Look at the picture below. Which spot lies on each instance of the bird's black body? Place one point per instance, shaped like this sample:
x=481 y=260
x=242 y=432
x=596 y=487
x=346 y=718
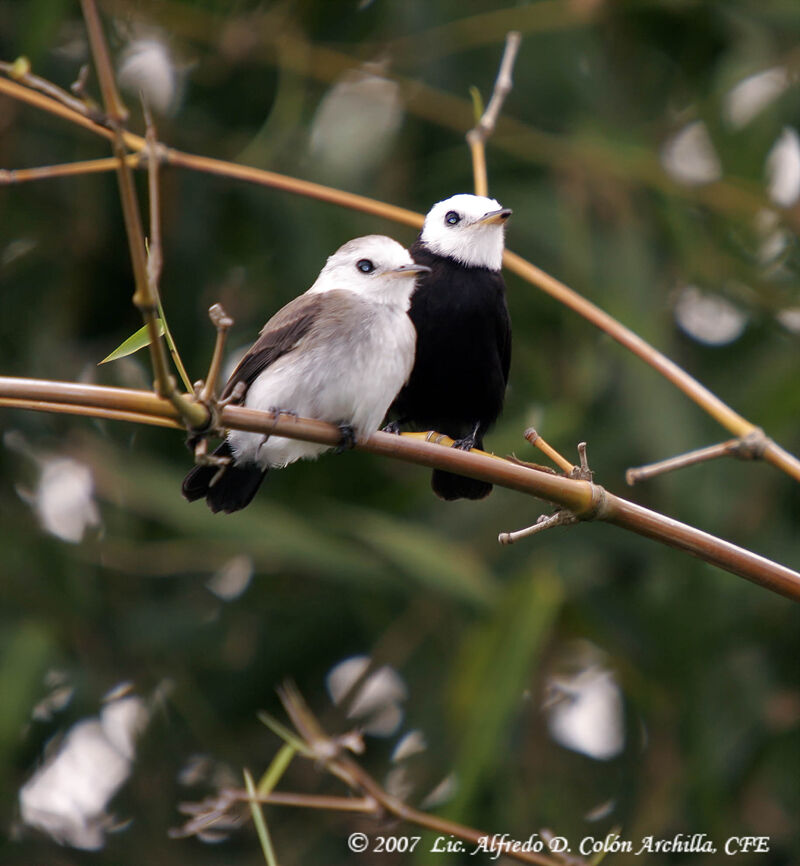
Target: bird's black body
x=458 y=382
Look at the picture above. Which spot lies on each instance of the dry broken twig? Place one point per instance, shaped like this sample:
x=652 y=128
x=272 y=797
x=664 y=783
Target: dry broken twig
x=224 y=811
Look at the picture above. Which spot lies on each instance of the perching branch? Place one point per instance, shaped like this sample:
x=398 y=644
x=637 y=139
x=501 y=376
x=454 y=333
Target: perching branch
x=587 y=501
x=709 y=402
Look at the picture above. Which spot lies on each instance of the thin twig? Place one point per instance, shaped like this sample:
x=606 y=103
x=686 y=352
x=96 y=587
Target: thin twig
x=365 y=805
x=194 y=414
x=538 y=442
x=69 y=169
x=545 y=521
x=750 y=447
x=222 y=323
x=477 y=136
x=586 y=500
x=19 y=70
x=344 y=767
x=155 y=256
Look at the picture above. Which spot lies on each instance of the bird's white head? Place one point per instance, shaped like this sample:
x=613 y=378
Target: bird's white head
x=467 y=228
x=374 y=266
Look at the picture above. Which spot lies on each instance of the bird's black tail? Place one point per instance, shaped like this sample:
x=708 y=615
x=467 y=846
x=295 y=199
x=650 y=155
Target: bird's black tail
x=232 y=491
x=448 y=486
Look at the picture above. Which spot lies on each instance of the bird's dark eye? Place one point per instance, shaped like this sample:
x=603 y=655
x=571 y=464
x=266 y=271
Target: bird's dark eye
x=452 y=218
x=365 y=266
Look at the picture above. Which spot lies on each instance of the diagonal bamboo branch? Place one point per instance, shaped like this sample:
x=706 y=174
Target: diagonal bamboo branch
x=586 y=500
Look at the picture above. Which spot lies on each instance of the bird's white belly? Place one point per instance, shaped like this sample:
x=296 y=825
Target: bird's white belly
x=350 y=382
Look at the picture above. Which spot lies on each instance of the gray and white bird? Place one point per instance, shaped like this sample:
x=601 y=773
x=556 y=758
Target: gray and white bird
x=463 y=355
x=340 y=353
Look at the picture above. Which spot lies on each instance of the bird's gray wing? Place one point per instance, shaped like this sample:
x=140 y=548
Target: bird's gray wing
x=282 y=333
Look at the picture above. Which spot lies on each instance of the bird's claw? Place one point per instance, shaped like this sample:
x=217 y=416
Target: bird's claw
x=467 y=443
x=392 y=427
x=348 y=439
x=276 y=411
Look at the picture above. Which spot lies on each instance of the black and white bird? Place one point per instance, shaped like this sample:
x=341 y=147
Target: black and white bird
x=459 y=378
x=338 y=353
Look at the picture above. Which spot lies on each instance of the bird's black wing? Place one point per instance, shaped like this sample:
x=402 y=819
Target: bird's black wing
x=279 y=336
x=504 y=336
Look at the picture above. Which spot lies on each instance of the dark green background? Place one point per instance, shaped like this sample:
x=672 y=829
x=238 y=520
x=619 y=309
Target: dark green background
x=354 y=554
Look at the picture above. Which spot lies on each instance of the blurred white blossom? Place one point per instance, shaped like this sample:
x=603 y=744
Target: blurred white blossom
x=790 y=319
x=68 y=795
x=410 y=744
x=689 y=156
x=773 y=237
x=443 y=792
x=752 y=95
x=378 y=701
x=232 y=579
x=356 y=122
x=783 y=168
x=64 y=499
x=708 y=317
x=17 y=249
x=585 y=713
x=147 y=67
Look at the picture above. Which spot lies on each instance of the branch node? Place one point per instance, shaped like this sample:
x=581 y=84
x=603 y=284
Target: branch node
x=78 y=87
x=752 y=446
x=582 y=472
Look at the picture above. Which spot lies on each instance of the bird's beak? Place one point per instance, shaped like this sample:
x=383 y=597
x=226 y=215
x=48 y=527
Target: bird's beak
x=494 y=217
x=410 y=270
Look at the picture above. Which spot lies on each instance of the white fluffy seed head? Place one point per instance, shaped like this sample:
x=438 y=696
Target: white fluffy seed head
x=146 y=67
x=373 y=266
x=456 y=228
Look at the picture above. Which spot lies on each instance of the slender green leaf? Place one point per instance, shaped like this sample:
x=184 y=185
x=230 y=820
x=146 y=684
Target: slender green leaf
x=260 y=822
x=289 y=738
x=278 y=766
x=492 y=671
x=477 y=102
x=135 y=342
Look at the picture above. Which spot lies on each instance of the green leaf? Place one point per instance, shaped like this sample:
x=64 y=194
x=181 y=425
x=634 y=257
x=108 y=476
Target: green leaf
x=260 y=822
x=135 y=342
x=492 y=671
x=272 y=775
x=477 y=103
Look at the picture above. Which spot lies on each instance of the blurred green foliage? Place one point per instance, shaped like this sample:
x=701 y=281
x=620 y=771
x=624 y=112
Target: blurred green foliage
x=353 y=554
